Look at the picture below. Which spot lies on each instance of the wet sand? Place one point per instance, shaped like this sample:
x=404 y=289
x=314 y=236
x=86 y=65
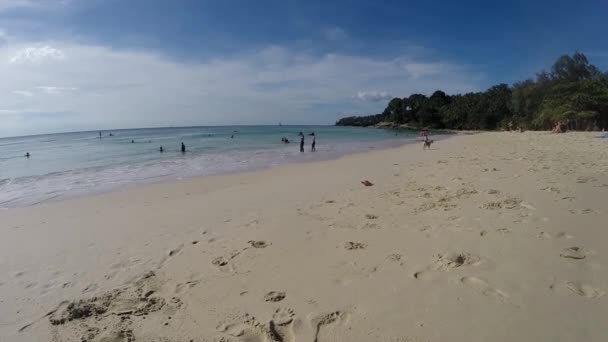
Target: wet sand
x=486 y=237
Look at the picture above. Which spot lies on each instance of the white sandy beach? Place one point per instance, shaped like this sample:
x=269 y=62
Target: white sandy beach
x=486 y=237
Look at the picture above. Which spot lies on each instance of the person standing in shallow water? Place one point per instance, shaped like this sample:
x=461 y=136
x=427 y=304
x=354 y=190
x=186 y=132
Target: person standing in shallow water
x=301 y=142
x=314 y=142
x=183 y=148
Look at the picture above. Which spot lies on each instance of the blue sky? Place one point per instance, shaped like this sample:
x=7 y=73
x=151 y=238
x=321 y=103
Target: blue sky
x=101 y=64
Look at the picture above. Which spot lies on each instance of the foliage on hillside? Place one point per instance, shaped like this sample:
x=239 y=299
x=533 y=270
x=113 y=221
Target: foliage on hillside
x=573 y=91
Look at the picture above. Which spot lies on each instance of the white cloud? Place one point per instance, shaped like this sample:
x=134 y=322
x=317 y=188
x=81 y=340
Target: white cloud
x=31 y=4
x=55 y=89
x=95 y=87
x=335 y=33
x=23 y=92
x=8 y=4
x=373 y=96
x=37 y=55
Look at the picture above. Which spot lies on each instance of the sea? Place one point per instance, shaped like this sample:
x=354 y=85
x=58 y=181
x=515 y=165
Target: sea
x=68 y=165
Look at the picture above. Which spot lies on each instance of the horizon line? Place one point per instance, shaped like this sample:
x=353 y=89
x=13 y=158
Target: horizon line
x=160 y=127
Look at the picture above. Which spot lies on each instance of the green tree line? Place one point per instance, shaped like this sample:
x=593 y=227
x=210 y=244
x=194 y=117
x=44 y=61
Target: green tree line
x=574 y=92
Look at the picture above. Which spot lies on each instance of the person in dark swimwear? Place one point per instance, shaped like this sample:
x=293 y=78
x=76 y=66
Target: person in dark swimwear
x=27 y=154
x=301 y=142
x=132 y=141
x=314 y=142
x=161 y=149
x=183 y=148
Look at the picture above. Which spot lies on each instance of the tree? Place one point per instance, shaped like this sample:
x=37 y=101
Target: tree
x=583 y=104
x=574 y=91
x=575 y=68
x=394 y=110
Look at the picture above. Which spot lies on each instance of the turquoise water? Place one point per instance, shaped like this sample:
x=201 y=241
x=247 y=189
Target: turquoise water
x=72 y=164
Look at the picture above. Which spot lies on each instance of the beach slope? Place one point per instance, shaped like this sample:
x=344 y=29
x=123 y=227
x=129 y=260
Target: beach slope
x=485 y=237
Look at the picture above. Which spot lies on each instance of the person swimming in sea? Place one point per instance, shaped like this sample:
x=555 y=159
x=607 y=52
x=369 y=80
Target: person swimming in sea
x=27 y=154
x=183 y=147
x=161 y=149
x=132 y=141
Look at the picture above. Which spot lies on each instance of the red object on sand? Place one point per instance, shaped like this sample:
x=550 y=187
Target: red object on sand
x=367 y=183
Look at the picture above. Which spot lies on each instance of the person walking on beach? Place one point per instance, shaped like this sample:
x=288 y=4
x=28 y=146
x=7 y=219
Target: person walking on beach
x=314 y=142
x=301 y=141
x=183 y=147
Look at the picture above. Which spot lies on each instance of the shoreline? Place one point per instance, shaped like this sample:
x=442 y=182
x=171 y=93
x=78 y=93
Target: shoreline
x=319 y=157
x=473 y=239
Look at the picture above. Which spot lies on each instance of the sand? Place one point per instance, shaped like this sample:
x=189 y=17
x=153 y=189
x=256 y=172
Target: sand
x=486 y=237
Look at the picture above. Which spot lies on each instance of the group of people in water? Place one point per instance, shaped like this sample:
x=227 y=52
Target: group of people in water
x=183 y=148
x=284 y=140
x=313 y=146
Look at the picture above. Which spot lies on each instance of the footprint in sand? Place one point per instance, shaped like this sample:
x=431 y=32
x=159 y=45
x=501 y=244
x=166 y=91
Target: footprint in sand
x=327 y=327
x=564 y=235
x=248 y=331
x=274 y=296
x=446 y=262
x=219 y=261
x=279 y=329
x=182 y=287
x=584 y=179
x=584 y=290
x=395 y=257
x=484 y=288
x=582 y=211
x=578 y=288
x=258 y=244
x=120 y=335
x=370 y=226
x=371 y=216
x=508 y=203
x=350 y=245
x=222 y=263
x=453 y=260
x=282 y=325
x=169 y=255
x=573 y=253
x=174 y=251
x=110 y=313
